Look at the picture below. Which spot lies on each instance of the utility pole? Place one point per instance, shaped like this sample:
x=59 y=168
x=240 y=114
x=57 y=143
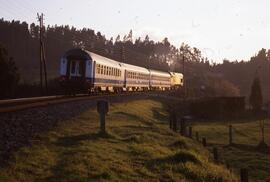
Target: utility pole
x=184 y=75
x=42 y=54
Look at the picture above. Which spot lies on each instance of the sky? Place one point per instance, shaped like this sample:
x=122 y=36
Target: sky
x=231 y=29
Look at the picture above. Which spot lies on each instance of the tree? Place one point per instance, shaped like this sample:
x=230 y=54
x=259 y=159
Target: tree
x=256 y=99
x=9 y=77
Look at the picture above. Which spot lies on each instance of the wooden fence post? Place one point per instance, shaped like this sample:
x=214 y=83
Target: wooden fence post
x=183 y=126
x=228 y=166
x=244 y=175
x=197 y=136
x=173 y=121
x=215 y=153
x=204 y=141
x=230 y=135
x=190 y=132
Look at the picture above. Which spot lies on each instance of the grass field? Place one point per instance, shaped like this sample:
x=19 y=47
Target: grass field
x=243 y=153
x=137 y=147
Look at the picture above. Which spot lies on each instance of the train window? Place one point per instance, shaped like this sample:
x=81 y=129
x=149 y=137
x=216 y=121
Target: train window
x=73 y=67
x=80 y=67
x=98 y=69
x=101 y=69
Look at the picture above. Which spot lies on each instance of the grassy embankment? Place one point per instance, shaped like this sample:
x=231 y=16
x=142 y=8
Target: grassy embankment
x=138 y=147
x=243 y=153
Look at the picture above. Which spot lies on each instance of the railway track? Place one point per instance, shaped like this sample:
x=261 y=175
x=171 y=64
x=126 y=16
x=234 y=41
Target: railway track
x=13 y=105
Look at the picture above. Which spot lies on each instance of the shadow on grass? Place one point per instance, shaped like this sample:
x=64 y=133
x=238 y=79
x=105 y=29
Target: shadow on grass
x=158 y=115
x=134 y=118
x=249 y=148
x=75 y=140
x=179 y=144
x=179 y=157
x=128 y=115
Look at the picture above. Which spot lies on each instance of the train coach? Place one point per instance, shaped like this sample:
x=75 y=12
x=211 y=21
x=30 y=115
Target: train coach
x=81 y=70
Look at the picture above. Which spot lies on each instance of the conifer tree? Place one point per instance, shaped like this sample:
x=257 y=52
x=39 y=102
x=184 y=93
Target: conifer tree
x=8 y=74
x=256 y=99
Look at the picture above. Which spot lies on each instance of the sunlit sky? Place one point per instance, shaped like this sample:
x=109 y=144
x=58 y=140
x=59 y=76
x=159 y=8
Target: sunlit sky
x=232 y=29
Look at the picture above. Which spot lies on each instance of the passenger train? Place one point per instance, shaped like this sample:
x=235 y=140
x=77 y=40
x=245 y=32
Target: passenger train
x=84 y=70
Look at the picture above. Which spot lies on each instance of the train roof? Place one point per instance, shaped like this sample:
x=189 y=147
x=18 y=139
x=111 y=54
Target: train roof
x=103 y=60
x=87 y=55
x=159 y=73
x=130 y=67
x=176 y=74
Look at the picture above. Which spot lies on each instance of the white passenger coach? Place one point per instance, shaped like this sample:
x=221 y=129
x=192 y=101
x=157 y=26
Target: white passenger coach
x=84 y=70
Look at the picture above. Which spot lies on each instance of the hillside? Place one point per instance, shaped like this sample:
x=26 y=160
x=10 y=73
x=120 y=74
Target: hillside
x=244 y=152
x=138 y=147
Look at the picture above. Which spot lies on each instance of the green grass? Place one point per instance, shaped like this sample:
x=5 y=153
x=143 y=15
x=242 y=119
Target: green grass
x=243 y=153
x=138 y=146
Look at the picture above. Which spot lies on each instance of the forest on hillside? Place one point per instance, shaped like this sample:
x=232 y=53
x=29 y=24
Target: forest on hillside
x=202 y=78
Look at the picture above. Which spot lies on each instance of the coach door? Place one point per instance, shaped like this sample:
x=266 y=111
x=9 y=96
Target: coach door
x=76 y=68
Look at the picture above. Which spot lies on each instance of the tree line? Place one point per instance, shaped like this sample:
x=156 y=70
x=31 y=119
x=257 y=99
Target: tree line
x=202 y=79
x=241 y=73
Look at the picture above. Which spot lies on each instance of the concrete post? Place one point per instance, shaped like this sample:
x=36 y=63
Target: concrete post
x=102 y=108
